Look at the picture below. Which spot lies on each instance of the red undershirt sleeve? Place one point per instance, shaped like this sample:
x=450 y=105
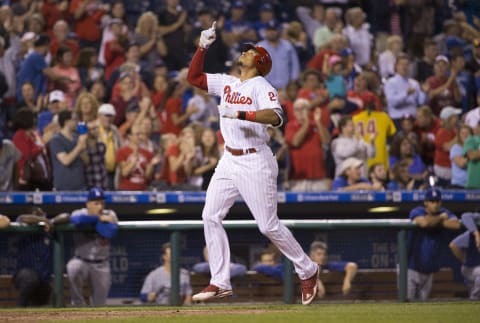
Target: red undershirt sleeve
x=195 y=75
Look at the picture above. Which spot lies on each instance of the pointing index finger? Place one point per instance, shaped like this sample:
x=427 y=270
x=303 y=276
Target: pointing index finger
x=213 y=25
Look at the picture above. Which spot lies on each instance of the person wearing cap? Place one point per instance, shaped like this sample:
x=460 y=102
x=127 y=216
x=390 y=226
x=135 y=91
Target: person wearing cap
x=466 y=248
x=472 y=117
x=47 y=126
x=425 y=244
x=445 y=138
x=238 y=30
x=266 y=14
x=285 y=66
x=403 y=94
x=34 y=259
x=471 y=148
x=92 y=250
x=110 y=136
x=442 y=86
x=350 y=178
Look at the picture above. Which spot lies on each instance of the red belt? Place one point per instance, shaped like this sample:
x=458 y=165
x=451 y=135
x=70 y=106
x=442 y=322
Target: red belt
x=240 y=152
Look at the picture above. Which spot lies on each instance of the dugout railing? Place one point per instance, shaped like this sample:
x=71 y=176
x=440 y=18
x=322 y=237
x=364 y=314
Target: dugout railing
x=400 y=226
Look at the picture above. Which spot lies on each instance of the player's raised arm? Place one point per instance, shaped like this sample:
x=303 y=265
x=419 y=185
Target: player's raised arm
x=196 y=76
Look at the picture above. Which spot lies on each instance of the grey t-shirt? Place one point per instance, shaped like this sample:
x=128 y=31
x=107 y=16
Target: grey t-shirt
x=9 y=155
x=90 y=245
x=159 y=281
x=71 y=177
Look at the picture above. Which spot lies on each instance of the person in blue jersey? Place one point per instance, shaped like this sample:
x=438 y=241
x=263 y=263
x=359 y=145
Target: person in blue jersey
x=466 y=248
x=33 y=273
x=92 y=250
x=318 y=253
x=425 y=243
x=204 y=267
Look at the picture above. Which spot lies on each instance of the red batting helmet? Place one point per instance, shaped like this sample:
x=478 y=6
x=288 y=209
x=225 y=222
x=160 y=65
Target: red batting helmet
x=263 y=61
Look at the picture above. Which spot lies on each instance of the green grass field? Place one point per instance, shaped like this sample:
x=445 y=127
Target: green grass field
x=435 y=312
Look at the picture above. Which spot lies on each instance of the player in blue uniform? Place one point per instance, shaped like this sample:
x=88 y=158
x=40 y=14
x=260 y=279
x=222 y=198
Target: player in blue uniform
x=466 y=247
x=425 y=243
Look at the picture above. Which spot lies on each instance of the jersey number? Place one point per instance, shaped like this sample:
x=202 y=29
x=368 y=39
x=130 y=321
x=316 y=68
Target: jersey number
x=272 y=96
x=371 y=127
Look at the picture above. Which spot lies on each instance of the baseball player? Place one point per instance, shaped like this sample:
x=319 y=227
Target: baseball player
x=248 y=168
x=466 y=247
x=92 y=250
x=425 y=243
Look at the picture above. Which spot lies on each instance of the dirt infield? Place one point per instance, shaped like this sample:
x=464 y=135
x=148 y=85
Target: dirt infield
x=52 y=315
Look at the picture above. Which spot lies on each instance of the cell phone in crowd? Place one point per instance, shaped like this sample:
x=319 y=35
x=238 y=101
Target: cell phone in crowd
x=82 y=128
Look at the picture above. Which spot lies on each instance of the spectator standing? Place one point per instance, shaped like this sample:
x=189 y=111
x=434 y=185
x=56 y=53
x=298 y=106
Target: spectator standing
x=445 y=138
x=88 y=16
x=426 y=128
x=69 y=79
x=458 y=159
x=471 y=148
x=136 y=163
x=350 y=144
x=358 y=34
x=60 y=38
x=127 y=96
x=311 y=18
x=388 y=58
x=88 y=68
x=377 y=125
x=172 y=22
x=285 y=66
x=318 y=253
x=86 y=107
x=466 y=247
x=403 y=94
x=266 y=14
x=33 y=166
x=92 y=250
x=442 y=85
x=47 y=126
x=67 y=154
x=157 y=285
x=152 y=46
x=54 y=11
x=115 y=48
x=95 y=170
x=425 y=244
x=306 y=137
x=9 y=157
x=109 y=135
x=117 y=11
x=424 y=68
x=324 y=34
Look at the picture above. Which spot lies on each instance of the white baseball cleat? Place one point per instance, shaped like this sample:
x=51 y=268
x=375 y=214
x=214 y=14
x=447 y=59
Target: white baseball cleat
x=211 y=292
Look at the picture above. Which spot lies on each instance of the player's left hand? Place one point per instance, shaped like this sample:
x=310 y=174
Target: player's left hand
x=207 y=37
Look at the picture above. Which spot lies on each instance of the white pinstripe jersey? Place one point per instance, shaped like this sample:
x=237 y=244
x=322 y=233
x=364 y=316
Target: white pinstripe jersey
x=250 y=95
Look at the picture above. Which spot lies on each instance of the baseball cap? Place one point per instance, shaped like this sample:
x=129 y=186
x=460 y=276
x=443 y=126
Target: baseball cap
x=442 y=58
x=272 y=24
x=454 y=41
x=447 y=112
x=41 y=40
x=350 y=162
x=238 y=5
x=29 y=35
x=107 y=109
x=95 y=194
x=56 y=95
x=266 y=7
x=433 y=194
x=346 y=52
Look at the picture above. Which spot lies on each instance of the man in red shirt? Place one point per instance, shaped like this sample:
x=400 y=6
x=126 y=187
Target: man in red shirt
x=60 y=33
x=444 y=140
x=136 y=164
x=305 y=138
x=88 y=15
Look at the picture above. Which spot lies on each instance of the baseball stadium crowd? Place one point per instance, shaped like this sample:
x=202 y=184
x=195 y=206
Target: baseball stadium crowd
x=378 y=94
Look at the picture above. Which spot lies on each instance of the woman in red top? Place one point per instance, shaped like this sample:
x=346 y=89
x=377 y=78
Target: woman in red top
x=88 y=16
x=136 y=164
x=30 y=145
x=70 y=83
x=444 y=140
x=172 y=120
